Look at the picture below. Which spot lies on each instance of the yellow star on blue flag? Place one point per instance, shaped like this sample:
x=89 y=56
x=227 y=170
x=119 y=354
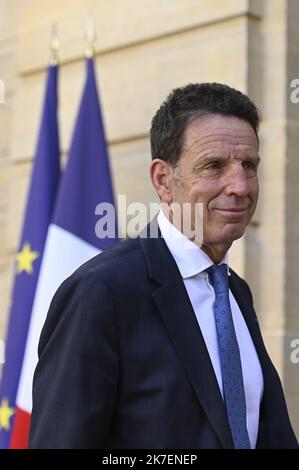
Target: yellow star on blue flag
x=6 y=412
x=25 y=259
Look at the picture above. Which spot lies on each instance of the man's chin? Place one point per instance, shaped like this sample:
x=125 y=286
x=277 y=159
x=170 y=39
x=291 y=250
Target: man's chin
x=233 y=232
x=227 y=235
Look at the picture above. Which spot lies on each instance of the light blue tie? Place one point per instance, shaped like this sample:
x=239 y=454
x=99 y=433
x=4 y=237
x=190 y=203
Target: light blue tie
x=232 y=378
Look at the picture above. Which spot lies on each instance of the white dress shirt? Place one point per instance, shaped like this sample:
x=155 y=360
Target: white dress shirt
x=192 y=263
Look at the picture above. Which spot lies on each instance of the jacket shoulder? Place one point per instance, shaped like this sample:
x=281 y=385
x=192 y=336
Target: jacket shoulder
x=115 y=265
x=118 y=255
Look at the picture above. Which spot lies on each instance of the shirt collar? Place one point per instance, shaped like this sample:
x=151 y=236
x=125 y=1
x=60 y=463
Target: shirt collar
x=190 y=259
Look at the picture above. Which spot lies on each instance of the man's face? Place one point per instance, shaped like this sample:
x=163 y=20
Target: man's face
x=218 y=168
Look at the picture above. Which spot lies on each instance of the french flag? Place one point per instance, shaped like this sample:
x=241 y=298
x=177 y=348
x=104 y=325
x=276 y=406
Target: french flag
x=71 y=239
x=38 y=214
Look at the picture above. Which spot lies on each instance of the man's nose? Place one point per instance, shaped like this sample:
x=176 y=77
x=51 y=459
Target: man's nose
x=237 y=181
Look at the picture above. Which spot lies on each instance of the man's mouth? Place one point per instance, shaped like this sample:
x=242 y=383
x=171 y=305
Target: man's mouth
x=232 y=211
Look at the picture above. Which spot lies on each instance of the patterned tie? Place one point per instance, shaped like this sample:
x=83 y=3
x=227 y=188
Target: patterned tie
x=232 y=378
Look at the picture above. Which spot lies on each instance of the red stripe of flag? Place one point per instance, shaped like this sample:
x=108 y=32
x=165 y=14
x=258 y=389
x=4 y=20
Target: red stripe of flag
x=20 y=432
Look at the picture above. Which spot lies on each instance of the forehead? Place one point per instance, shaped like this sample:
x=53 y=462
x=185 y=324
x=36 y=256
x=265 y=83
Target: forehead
x=221 y=132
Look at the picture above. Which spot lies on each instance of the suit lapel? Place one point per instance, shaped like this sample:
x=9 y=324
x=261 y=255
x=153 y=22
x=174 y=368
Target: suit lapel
x=245 y=304
x=180 y=321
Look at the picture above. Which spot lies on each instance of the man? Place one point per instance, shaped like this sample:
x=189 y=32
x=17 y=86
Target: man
x=155 y=343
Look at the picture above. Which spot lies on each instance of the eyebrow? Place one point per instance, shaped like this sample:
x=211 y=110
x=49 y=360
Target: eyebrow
x=206 y=159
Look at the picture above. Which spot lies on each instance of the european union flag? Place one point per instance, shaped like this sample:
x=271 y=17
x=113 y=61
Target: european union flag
x=40 y=203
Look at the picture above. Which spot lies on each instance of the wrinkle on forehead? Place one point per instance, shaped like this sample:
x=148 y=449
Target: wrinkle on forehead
x=207 y=131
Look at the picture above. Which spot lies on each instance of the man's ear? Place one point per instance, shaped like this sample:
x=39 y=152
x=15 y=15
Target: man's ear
x=161 y=176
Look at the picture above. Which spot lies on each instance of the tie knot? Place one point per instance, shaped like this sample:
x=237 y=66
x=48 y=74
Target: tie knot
x=218 y=277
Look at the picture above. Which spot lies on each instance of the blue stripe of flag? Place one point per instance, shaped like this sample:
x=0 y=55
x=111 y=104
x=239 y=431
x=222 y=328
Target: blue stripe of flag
x=87 y=179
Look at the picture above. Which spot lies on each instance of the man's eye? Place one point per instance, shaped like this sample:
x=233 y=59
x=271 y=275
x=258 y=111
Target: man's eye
x=250 y=165
x=213 y=166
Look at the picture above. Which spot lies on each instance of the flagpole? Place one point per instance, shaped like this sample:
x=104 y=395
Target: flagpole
x=54 y=45
x=90 y=38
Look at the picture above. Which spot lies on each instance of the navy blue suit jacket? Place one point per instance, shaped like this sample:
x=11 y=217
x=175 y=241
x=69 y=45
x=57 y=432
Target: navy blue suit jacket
x=123 y=363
